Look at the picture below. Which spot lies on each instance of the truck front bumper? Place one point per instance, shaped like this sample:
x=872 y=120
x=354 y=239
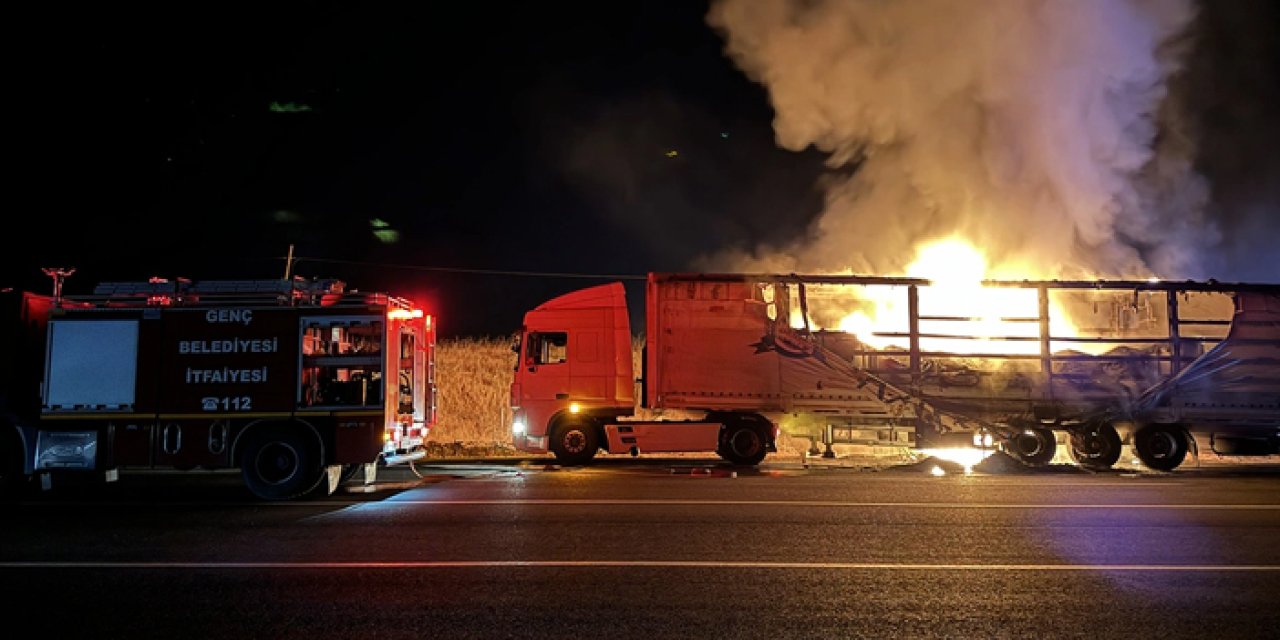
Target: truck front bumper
x=530 y=444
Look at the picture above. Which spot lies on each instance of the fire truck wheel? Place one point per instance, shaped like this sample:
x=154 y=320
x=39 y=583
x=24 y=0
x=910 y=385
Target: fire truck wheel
x=1096 y=446
x=1161 y=447
x=741 y=442
x=1032 y=445
x=280 y=463
x=575 y=442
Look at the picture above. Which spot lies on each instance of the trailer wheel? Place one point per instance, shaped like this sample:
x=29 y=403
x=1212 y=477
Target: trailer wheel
x=1034 y=446
x=741 y=442
x=1161 y=447
x=1096 y=446
x=279 y=463
x=574 y=442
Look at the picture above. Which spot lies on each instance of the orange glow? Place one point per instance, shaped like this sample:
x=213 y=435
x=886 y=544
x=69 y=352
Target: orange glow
x=982 y=318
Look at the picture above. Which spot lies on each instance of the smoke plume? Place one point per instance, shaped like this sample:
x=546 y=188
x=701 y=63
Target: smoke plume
x=1041 y=131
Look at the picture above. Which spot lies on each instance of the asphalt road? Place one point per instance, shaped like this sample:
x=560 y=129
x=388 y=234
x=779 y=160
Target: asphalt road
x=655 y=549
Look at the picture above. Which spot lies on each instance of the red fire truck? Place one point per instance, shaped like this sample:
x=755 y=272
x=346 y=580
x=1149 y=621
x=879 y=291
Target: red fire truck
x=301 y=384
x=1161 y=366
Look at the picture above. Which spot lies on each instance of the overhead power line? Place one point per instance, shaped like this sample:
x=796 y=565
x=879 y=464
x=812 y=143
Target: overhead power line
x=488 y=272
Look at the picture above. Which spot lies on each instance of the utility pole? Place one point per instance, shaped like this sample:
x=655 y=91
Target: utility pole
x=288 y=264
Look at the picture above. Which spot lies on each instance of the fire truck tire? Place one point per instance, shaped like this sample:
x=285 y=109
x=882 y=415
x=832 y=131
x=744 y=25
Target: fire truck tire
x=1161 y=447
x=1096 y=446
x=575 y=441
x=742 y=442
x=1034 y=446
x=280 y=463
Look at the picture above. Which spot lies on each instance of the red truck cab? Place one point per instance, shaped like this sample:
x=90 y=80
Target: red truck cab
x=574 y=364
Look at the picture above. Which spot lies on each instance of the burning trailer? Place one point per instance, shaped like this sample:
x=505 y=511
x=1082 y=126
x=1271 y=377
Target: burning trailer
x=1158 y=365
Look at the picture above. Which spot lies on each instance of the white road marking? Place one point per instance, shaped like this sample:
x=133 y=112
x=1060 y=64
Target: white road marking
x=395 y=501
x=826 y=503
x=669 y=564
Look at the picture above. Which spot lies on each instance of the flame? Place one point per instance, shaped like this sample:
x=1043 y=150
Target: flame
x=979 y=320
x=966 y=457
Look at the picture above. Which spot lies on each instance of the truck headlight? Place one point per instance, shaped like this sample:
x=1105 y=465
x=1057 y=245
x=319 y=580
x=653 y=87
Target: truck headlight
x=518 y=427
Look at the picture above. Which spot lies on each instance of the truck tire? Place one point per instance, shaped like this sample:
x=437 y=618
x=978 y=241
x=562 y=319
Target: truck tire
x=1161 y=447
x=741 y=442
x=281 y=463
x=1034 y=446
x=575 y=442
x=1096 y=446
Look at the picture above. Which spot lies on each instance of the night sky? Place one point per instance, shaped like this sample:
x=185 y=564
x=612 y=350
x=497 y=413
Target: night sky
x=392 y=144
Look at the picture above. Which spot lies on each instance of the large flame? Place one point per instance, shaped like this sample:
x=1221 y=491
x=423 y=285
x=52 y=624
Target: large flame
x=961 y=316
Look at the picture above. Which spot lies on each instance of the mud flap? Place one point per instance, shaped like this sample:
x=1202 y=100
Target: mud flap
x=332 y=477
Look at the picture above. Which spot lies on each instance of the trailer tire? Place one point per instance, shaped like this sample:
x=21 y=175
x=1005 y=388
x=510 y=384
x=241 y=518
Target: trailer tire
x=1096 y=446
x=1161 y=447
x=574 y=442
x=741 y=442
x=1033 y=446
x=281 y=463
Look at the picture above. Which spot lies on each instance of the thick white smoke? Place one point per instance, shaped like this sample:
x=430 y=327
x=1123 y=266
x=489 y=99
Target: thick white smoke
x=1035 y=129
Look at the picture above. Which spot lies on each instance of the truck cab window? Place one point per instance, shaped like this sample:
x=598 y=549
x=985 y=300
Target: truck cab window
x=549 y=348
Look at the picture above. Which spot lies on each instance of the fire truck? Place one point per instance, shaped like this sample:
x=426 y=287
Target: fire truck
x=730 y=359
x=300 y=383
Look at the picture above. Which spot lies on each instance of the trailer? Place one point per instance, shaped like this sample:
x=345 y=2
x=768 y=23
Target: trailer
x=731 y=360
x=299 y=383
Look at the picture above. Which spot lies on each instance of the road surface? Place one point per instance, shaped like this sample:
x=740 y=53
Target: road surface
x=655 y=549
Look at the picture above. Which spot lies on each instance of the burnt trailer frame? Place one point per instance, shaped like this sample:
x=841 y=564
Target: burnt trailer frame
x=1161 y=418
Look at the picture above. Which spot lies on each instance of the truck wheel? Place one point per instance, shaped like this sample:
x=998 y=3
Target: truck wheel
x=1096 y=446
x=1033 y=445
x=575 y=442
x=741 y=443
x=1161 y=447
x=279 y=463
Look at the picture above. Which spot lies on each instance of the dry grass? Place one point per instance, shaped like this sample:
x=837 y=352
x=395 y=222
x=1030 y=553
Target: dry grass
x=474 y=383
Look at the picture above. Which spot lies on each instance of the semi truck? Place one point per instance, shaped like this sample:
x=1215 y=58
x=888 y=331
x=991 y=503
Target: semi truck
x=730 y=361
x=299 y=383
